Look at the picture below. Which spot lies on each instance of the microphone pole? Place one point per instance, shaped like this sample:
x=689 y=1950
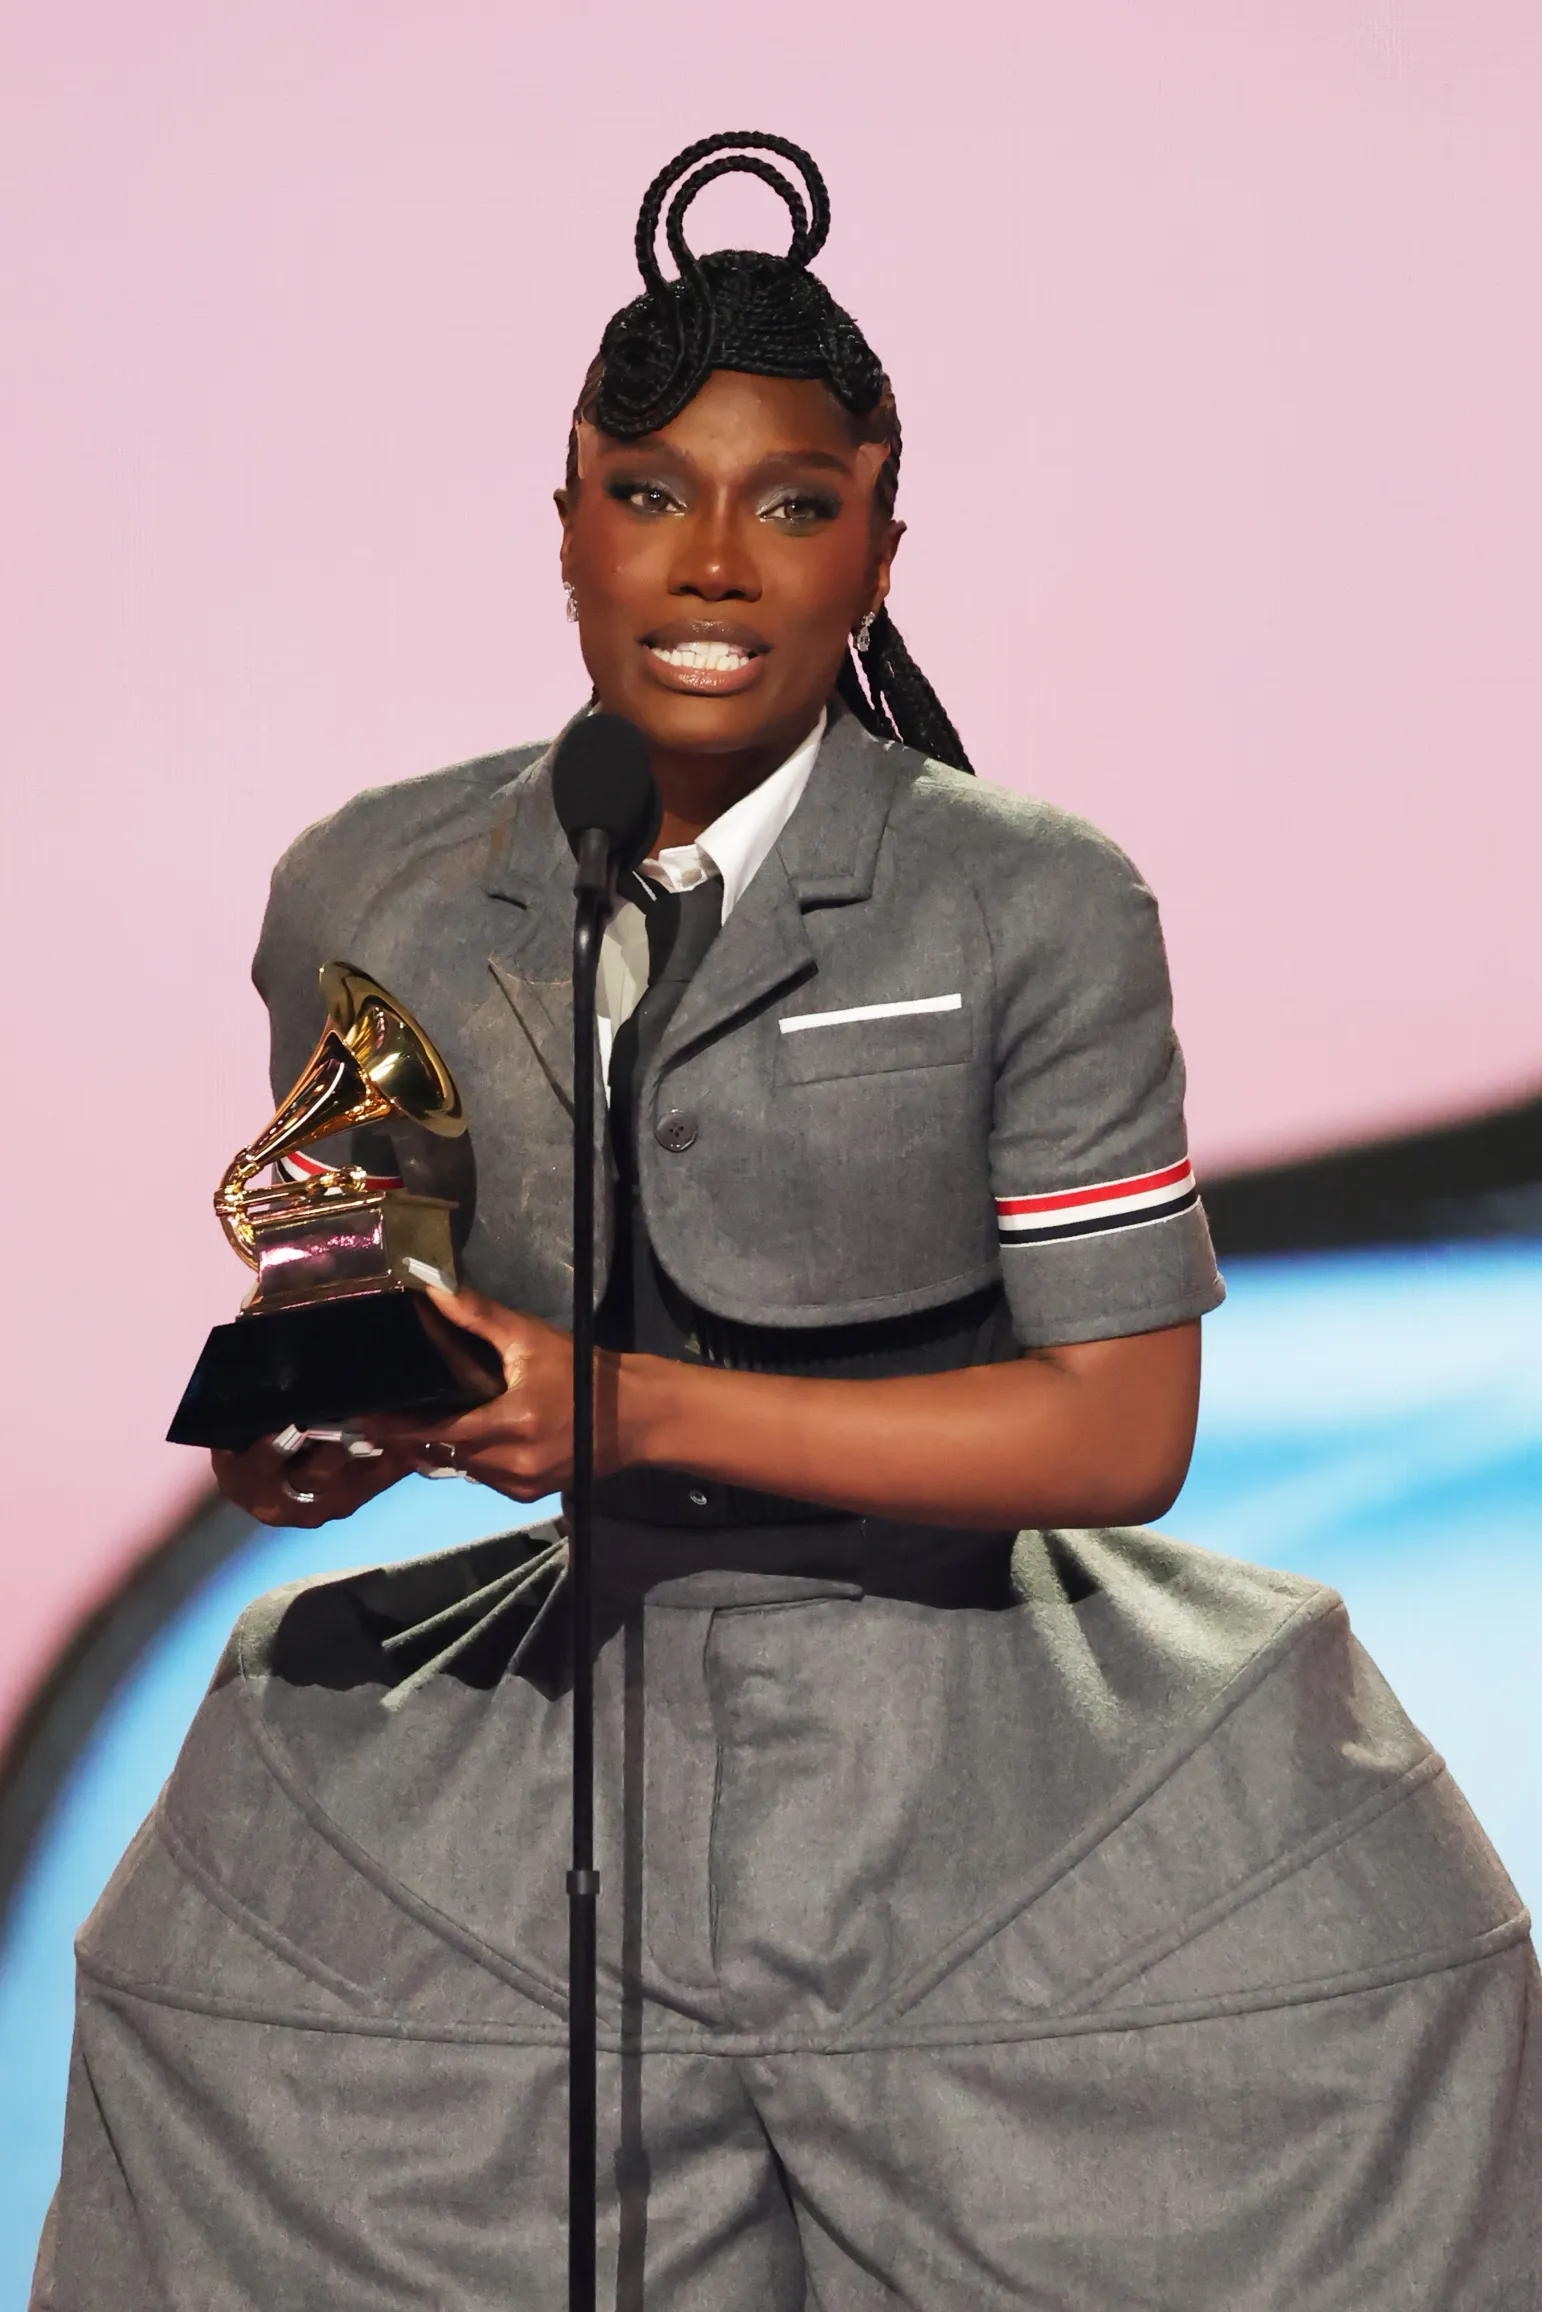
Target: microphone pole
x=592 y=889
x=606 y=802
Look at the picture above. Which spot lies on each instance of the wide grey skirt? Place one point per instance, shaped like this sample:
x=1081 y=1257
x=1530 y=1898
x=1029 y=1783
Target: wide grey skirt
x=1115 y=1942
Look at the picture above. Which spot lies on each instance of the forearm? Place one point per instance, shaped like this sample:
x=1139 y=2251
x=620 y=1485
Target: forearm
x=1098 y=1434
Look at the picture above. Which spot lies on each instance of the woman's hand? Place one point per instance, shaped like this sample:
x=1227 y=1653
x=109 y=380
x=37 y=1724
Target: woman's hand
x=308 y=1487
x=520 y=1443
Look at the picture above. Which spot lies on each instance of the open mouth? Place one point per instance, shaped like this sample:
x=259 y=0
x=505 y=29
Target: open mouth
x=722 y=657
x=705 y=655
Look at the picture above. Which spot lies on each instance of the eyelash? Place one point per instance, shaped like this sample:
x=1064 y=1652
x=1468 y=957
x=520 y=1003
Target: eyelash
x=803 y=506
x=793 y=509
x=644 y=497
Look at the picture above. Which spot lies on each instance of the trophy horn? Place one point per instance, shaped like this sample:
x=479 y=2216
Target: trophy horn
x=373 y=1061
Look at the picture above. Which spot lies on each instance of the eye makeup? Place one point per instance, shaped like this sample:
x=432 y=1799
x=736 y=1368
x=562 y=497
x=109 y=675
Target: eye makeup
x=800 y=508
x=643 y=494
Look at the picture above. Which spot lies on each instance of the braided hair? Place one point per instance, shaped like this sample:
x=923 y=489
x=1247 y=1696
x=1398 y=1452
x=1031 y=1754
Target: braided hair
x=749 y=310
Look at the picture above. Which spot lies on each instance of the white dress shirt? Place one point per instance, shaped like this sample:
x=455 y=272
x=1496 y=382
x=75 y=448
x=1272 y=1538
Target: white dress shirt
x=733 y=848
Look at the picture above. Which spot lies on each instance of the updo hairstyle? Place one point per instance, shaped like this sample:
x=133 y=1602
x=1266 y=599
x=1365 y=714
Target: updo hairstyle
x=750 y=310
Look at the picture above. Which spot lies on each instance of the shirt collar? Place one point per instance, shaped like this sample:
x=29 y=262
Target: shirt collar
x=739 y=840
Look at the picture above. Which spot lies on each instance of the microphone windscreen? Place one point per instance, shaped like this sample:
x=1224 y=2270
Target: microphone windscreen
x=602 y=778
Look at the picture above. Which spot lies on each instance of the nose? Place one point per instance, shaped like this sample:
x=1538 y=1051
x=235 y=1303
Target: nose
x=715 y=561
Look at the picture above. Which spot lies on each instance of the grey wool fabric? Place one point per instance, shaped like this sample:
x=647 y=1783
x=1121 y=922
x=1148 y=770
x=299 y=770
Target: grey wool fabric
x=1072 y=1922
x=1122 y=1946
x=849 y=1168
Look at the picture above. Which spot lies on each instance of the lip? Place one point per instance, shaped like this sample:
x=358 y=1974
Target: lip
x=705 y=681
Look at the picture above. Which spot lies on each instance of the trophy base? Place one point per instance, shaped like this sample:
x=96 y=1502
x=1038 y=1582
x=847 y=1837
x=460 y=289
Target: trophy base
x=331 y=1362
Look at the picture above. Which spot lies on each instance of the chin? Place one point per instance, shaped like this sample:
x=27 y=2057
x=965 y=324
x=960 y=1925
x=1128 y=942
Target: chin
x=708 y=726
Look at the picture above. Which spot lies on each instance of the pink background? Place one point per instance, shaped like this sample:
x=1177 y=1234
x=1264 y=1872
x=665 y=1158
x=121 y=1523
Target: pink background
x=1215 y=334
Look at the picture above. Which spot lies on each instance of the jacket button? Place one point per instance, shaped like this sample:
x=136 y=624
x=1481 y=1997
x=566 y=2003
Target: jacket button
x=676 y=1131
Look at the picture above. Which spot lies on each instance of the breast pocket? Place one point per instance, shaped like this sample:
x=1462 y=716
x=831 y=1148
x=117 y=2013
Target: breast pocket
x=872 y=1039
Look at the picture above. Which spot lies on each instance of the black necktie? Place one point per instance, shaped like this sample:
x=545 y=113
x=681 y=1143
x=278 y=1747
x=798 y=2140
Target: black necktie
x=681 y=928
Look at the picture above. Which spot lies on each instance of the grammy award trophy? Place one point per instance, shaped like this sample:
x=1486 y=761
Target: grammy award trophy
x=338 y=1324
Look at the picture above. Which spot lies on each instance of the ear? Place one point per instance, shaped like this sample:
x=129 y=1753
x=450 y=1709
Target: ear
x=885 y=547
x=871 y=459
x=567 y=507
x=581 y=454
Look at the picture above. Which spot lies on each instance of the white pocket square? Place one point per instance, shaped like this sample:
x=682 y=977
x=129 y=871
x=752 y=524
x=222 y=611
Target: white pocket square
x=870 y=1011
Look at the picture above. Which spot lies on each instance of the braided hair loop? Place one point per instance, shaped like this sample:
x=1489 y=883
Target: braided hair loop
x=769 y=315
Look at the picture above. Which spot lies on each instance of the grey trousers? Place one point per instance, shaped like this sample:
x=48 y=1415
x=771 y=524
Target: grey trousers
x=1121 y=1946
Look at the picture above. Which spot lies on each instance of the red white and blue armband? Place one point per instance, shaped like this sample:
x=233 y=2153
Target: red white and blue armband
x=1137 y=1202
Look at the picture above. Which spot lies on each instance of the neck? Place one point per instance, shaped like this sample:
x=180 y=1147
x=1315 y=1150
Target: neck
x=695 y=789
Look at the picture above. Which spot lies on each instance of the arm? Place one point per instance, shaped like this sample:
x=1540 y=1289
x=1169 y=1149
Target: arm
x=1097 y=1433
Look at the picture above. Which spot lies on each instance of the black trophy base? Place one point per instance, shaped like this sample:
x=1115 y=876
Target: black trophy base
x=331 y=1362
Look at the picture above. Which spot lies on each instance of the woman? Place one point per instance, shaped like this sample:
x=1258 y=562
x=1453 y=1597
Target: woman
x=1002 y=1906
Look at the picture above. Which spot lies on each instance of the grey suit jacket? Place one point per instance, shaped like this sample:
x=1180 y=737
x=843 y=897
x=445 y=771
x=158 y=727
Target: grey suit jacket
x=932 y=1045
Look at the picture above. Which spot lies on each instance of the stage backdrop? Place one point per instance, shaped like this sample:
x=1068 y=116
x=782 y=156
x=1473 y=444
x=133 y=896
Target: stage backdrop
x=1215 y=332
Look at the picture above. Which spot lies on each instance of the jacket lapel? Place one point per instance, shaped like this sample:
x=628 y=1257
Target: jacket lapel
x=531 y=869
x=826 y=856
x=830 y=844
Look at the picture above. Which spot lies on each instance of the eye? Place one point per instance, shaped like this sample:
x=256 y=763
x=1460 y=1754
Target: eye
x=643 y=497
x=801 y=509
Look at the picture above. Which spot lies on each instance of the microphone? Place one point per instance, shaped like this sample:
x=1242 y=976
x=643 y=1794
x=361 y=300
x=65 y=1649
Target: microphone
x=602 y=786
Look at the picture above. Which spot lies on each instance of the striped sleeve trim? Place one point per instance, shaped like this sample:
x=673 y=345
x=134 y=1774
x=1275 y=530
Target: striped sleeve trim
x=298 y=1166
x=1134 y=1203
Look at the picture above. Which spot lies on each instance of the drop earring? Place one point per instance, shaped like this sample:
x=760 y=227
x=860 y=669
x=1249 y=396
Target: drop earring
x=864 y=634
x=571 y=591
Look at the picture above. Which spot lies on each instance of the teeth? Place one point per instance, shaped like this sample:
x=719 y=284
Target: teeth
x=716 y=657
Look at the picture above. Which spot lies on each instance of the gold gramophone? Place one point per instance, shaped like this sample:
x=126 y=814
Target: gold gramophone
x=337 y=1323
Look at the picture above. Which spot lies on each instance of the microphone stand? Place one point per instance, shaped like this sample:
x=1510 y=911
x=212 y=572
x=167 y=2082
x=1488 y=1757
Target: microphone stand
x=592 y=888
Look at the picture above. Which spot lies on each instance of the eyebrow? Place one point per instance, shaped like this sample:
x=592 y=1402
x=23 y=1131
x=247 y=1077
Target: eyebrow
x=781 y=460
x=775 y=462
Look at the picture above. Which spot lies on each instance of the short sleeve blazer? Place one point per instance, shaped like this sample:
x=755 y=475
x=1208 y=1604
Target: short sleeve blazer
x=932 y=1046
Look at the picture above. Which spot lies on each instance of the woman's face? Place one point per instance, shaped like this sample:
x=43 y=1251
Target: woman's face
x=720 y=564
